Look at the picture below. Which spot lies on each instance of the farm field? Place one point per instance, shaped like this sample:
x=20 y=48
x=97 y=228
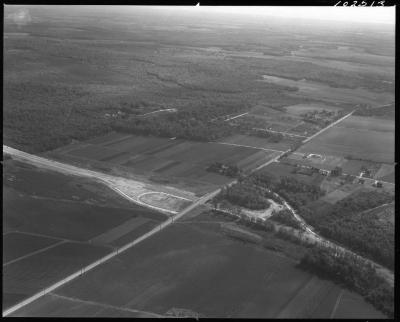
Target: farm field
x=386 y=173
x=356 y=141
x=351 y=308
x=16 y=245
x=57 y=306
x=63 y=219
x=28 y=276
x=54 y=185
x=198 y=261
x=178 y=160
x=280 y=169
x=368 y=123
x=258 y=142
x=386 y=214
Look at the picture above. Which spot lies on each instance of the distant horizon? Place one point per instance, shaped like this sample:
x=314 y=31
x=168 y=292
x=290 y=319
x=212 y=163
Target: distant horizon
x=366 y=15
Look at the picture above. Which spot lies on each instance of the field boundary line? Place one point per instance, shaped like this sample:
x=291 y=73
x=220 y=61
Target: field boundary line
x=235 y=117
x=34 y=253
x=104 y=305
x=293 y=296
x=339 y=298
x=163 y=193
x=45 y=236
x=247 y=146
x=368 y=210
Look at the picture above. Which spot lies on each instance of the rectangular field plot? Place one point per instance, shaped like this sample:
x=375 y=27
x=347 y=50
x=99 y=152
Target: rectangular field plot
x=386 y=173
x=109 y=138
x=93 y=152
x=135 y=233
x=370 y=145
x=192 y=267
x=351 y=306
x=69 y=220
x=16 y=245
x=256 y=142
x=59 y=306
x=119 y=231
x=368 y=123
x=354 y=166
x=28 y=276
x=184 y=160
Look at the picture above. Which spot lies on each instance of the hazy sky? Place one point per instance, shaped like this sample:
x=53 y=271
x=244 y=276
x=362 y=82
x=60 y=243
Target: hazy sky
x=350 y=14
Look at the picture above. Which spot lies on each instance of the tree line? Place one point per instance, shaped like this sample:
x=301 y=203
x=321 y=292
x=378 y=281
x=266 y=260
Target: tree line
x=354 y=273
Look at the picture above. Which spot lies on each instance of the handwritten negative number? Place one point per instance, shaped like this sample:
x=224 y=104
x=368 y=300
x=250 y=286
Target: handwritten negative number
x=360 y=4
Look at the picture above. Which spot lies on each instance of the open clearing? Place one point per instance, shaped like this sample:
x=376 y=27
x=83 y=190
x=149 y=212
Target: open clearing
x=299 y=109
x=330 y=94
x=355 y=139
x=386 y=173
x=192 y=267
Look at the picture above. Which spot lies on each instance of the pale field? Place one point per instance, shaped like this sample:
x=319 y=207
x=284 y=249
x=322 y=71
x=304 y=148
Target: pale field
x=368 y=123
x=304 y=108
x=327 y=93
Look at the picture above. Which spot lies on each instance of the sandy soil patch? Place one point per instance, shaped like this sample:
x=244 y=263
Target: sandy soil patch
x=264 y=213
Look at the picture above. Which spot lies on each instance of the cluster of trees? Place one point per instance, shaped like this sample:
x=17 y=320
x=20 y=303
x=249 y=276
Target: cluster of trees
x=228 y=170
x=296 y=192
x=363 y=233
x=200 y=124
x=244 y=194
x=322 y=118
x=387 y=111
x=271 y=136
x=352 y=272
x=255 y=127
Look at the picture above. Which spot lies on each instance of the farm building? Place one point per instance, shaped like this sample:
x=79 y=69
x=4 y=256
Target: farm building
x=325 y=172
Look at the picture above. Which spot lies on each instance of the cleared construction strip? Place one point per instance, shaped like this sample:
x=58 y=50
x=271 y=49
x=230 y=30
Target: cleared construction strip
x=110 y=181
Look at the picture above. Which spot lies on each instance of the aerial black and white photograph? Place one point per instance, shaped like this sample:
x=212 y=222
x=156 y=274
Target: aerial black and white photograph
x=199 y=161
